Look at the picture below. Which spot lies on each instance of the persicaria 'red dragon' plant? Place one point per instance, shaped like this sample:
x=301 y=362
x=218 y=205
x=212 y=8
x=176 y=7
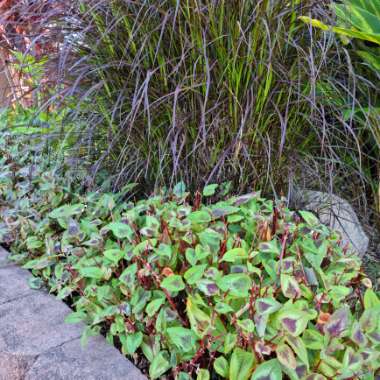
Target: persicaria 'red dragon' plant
x=242 y=288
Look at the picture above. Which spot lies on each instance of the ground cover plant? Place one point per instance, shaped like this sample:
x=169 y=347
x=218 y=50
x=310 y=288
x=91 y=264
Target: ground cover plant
x=238 y=288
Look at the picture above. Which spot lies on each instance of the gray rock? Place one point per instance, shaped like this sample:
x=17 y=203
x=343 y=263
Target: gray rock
x=33 y=324
x=13 y=283
x=97 y=361
x=336 y=213
x=4 y=258
x=15 y=367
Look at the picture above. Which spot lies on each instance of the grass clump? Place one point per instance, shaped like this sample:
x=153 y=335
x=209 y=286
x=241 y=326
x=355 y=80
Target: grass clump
x=210 y=91
x=240 y=288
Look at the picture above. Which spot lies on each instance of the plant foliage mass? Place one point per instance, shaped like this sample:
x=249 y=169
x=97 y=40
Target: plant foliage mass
x=238 y=288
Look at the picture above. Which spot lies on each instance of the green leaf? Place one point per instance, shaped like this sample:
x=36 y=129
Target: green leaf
x=88 y=332
x=246 y=325
x=67 y=211
x=183 y=376
x=359 y=18
x=129 y=274
x=289 y=286
x=41 y=263
x=286 y=356
x=179 y=189
x=92 y=272
x=132 y=342
x=121 y=230
x=209 y=190
x=241 y=364
x=372 y=59
x=358 y=336
x=114 y=255
x=235 y=254
x=313 y=339
x=76 y=317
x=199 y=217
x=153 y=306
x=184 y=339
x=164 y=251
x=208 y=287
x=223 y=308
x=230 y=341
x=309 y=218
x=269 y=370
x=190 y=255
x=238 y=284
x=313 y=254
x=375 y=38
x=173 y=283
x=194 y=274
x=298 y=346
x=369 y=319
x=35 y=282
x=203 y=374
x=266 y=306
x=261 y=322
x=223 y=209
x=272 y=246
x=339 y=322
x=159 y=365
x=145 y=245
x=33 y=243
x=199 y=320
x=221 y=366
x=370 y=299
x=210 y=238
x=339 y=293
x=293 y=321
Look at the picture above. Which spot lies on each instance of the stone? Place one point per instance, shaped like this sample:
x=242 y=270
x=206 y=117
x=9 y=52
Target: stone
x=336 y=213
x=13 y=283
x=96 y=361
x=15 y=367
x=4 y=262
x=33 y=324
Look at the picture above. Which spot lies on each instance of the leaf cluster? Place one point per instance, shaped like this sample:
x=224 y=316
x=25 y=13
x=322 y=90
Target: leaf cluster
x=240 y=288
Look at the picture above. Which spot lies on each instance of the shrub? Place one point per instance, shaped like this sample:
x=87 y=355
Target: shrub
x=237 y=288
x=209 y=91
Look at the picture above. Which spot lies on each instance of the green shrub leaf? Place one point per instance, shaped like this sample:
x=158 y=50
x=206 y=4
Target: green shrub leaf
x=235 y=254
x=238 y=284
x=160 y=365
x=286 y=356
x=92 y=272
x=194 y=274
x=173 y=283
x=121 y=230
x=241 y=364
x=114 y=255
x=184 y=339
x=209 y=190
x=269 y=370
x=221 y=366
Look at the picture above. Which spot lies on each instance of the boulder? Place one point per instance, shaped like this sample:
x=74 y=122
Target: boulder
x=336 y=213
